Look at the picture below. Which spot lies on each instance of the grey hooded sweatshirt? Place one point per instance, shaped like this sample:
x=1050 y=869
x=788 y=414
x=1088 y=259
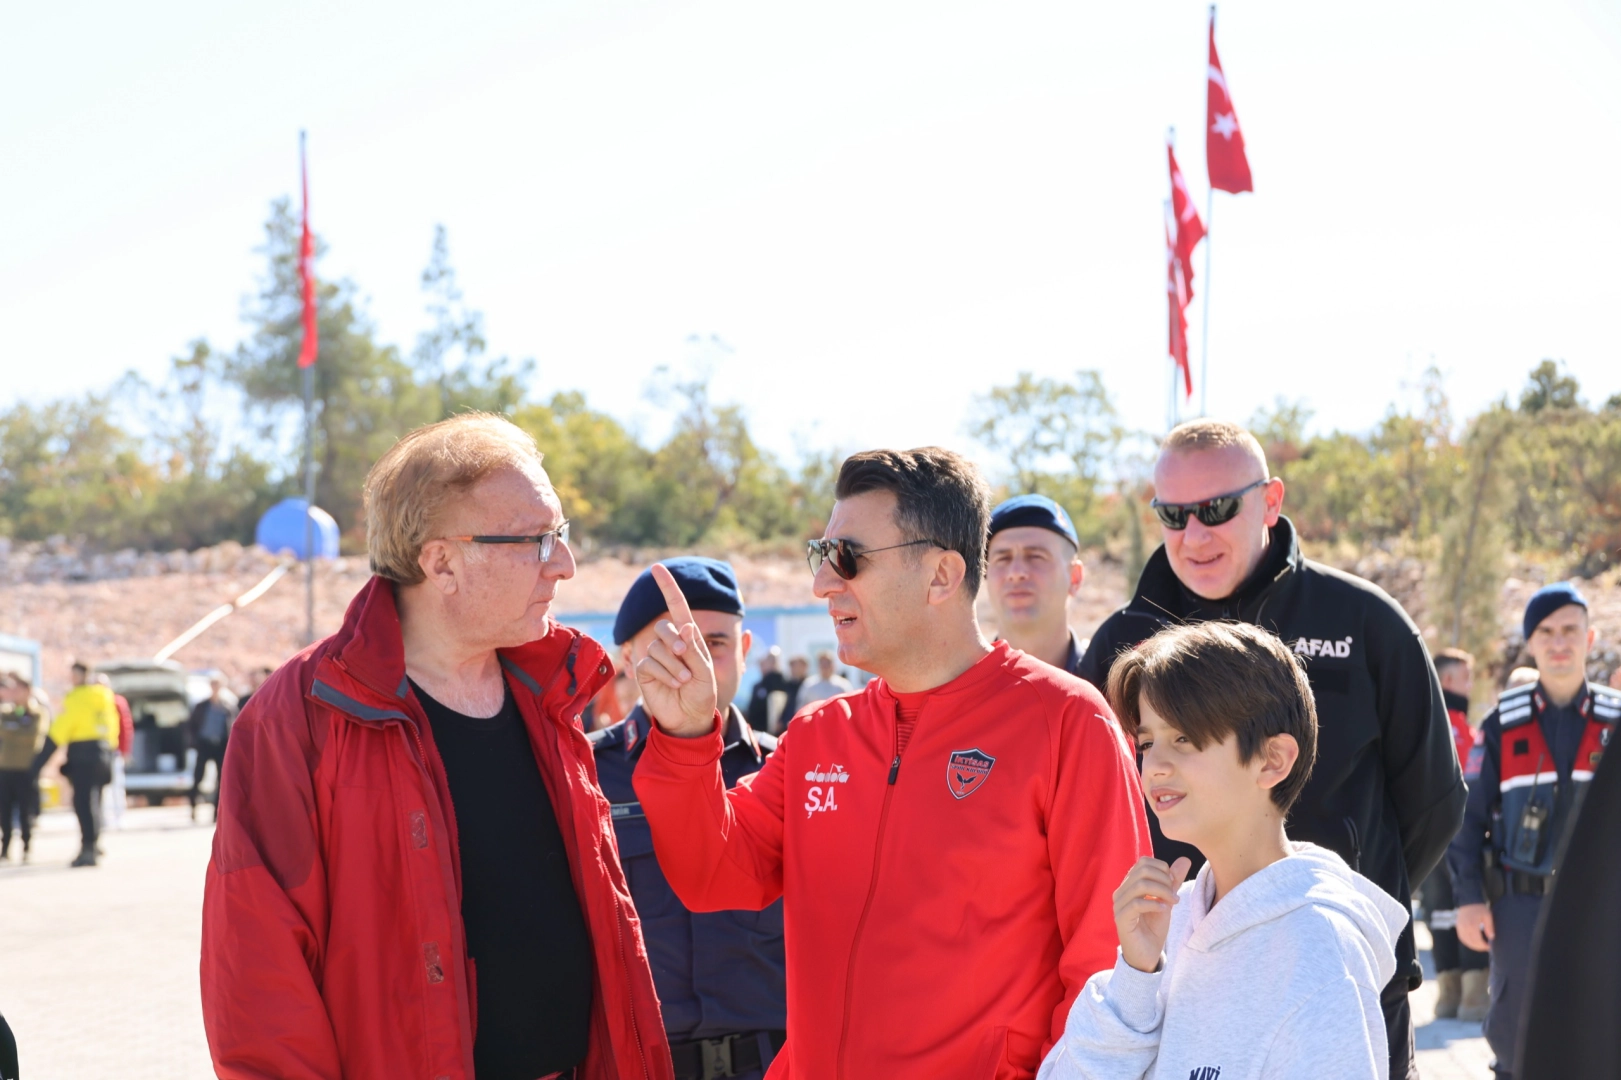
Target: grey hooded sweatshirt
x=1278 y=981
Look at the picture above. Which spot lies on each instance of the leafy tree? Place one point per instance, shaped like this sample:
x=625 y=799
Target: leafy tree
x=449 y=355
x=1549 y=388
x=366 y=395
x=1061 y=439
x=67 y=468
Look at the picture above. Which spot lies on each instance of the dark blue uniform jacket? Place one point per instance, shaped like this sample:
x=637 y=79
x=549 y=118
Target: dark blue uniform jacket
x=717 y=973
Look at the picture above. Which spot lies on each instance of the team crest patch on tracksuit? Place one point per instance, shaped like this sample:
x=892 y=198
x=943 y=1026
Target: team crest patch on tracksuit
x=966 y=771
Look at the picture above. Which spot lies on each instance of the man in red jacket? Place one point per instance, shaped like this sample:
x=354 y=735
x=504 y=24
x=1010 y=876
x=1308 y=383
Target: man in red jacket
x=414 y=872
x=947 y=840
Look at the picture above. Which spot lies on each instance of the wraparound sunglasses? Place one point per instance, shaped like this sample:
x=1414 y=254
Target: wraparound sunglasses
x=1211 y=512
x=843 y=554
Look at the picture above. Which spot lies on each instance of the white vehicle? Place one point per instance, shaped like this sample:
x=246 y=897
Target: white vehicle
x=160 y=694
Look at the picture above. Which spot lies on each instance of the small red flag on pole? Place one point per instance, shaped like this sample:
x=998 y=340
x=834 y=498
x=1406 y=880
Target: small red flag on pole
x=306 y=269
x=1189 y=230
x=1224 y=142
x=1176 y=294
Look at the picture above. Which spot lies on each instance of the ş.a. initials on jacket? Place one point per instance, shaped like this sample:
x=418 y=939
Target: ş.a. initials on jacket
x=944 y=905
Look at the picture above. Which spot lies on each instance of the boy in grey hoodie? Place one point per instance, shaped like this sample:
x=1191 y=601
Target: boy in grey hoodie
x=1268 y=965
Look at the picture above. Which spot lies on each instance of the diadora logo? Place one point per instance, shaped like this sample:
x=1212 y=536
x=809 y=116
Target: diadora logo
x=1319 y=647
x=1206 y=1072
x=966 y=771
x=822 y=795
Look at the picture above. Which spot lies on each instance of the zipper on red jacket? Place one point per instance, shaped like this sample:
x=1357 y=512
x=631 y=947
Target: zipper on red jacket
x=866 y=907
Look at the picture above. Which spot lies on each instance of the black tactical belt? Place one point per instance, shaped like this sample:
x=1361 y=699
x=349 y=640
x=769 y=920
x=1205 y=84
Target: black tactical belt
x=1524 y=884
x=729 y=1055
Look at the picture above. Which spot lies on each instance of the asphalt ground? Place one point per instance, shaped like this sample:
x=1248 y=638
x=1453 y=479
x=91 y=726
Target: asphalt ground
x=98 y=966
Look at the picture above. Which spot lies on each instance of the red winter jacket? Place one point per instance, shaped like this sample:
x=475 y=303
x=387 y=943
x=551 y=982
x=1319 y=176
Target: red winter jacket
x=332 y=935
x=944 y=906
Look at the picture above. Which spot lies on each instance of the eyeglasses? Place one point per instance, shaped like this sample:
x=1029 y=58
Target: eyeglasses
x=547 y=541
x=1211 y=512
x=843 y=554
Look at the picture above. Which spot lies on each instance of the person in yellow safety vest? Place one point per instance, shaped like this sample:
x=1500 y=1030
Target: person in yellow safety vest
x=88 y=727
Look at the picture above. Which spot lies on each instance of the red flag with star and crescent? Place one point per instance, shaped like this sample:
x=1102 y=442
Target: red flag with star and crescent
x=1177 y=297
x=1224 y=141
x=306 y=273
x=1188 y=229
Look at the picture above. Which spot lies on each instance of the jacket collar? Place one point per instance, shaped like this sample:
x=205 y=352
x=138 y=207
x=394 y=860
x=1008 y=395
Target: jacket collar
x=1160 y=592
x=369 y=649
x=983 y=668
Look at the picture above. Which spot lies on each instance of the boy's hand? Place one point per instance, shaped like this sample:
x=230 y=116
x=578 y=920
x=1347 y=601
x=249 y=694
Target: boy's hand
x=1142 y=909
x=677 y=680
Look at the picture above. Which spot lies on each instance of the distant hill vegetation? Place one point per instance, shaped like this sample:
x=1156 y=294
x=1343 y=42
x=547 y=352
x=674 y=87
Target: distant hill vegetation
x=194 y=460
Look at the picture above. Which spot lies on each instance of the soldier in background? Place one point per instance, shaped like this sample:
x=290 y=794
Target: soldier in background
x=22 y=726
x=719 y=974
x=1033 y=569
x=1542 y=744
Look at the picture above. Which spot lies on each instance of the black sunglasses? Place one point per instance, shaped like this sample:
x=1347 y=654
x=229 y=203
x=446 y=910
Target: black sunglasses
x=843 y=554
x=1211 y=512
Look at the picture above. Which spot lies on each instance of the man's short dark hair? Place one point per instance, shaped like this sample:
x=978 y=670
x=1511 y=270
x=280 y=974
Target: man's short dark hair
x=1447 y=659
x=939 y=497
x=1215 y=679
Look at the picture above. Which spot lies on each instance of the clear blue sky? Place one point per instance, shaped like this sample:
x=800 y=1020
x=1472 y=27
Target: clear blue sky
x=883 y=208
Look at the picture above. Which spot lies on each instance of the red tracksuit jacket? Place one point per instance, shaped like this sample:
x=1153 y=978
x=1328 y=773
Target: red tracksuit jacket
x=943 y=908
x=333 y=944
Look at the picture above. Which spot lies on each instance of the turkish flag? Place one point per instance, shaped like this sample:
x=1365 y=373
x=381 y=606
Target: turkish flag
x=1224 y=142
x=1177 y=297
x=306 y=272
x=1189 y=229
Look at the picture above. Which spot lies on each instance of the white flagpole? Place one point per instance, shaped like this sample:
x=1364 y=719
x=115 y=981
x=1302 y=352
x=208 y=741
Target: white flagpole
x=1204 y=322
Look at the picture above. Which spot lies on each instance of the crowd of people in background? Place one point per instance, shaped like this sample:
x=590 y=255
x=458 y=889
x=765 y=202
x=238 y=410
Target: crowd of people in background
x=1186 y=845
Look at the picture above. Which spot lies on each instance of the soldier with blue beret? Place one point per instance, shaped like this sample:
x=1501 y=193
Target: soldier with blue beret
x=1540 y=746
x=1033 y=568
x=720 y=975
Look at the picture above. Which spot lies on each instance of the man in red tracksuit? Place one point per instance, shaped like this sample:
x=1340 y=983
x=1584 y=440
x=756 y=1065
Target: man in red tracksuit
x=946 y=841
x=414 y=872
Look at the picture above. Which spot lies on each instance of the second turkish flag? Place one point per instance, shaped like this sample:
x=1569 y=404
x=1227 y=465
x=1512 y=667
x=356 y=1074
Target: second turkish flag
x=1224 y=142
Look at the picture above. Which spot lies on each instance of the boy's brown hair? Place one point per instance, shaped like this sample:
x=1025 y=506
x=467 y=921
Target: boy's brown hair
x=1215 y=679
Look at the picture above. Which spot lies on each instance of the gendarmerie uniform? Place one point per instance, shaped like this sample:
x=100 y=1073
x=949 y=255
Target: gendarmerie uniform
x=1537 y=764
x=719 y=974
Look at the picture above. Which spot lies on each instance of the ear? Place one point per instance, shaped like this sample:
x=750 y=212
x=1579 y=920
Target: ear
x=1274 y=500
x=626 y=661
x=747 y=641
x=1277 y=757
x=946 y=581
x=441 y=566
x=1077 y=574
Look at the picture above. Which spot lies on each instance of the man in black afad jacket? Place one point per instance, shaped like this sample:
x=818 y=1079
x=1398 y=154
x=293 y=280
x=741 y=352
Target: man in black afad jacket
x=1386 y=792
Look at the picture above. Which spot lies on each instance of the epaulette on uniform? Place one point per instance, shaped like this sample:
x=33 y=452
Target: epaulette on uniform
x=1606 y=703
x=1514 y=705
x=766 y=741
x=605 y=738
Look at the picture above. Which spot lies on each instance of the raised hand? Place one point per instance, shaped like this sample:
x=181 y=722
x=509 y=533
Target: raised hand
x=677 y=679
x=1142 y=909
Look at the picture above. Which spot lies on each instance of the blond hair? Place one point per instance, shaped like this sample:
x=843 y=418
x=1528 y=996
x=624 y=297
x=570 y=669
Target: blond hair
x=1198 y=435
x=410 y=486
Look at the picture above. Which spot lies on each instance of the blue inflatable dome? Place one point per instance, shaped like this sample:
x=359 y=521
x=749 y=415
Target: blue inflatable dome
x=282 y=527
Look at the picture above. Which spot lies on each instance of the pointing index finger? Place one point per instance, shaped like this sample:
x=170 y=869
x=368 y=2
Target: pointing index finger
x=680 y=613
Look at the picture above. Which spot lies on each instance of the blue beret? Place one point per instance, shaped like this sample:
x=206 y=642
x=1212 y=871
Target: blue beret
x=1549 y=599
x=708 y=585
x=1036 y=510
